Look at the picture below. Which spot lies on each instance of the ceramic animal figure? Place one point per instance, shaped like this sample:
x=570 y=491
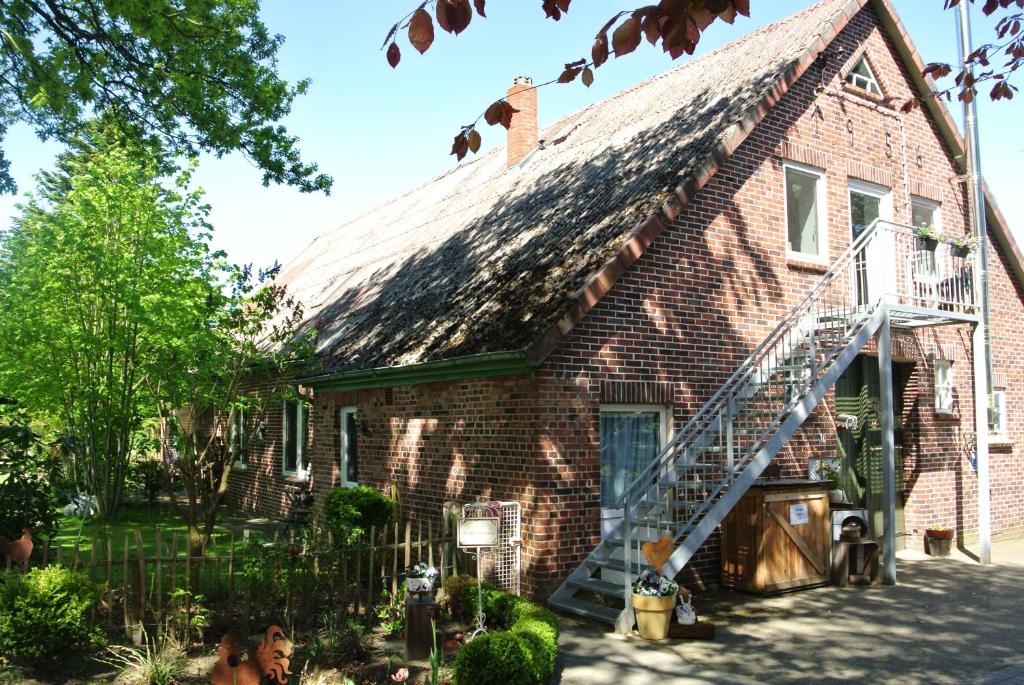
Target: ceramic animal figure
x=269 y=659
x=657 y=553
x=21 y=549
x=685 y=615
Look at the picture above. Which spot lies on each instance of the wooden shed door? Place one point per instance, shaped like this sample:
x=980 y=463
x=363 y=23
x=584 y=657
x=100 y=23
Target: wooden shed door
x=796 y=540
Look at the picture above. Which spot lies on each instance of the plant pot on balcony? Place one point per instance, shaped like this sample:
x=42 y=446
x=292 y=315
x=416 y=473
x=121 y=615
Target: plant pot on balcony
x=924 y=243
x=937 y=542
x=653 y=615
x=961 y=251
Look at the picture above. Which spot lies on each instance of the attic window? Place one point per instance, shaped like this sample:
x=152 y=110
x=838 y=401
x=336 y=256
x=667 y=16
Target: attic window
x=863 y=78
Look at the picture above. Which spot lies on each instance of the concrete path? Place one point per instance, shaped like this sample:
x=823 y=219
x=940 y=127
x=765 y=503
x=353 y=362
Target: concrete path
x=947 y=621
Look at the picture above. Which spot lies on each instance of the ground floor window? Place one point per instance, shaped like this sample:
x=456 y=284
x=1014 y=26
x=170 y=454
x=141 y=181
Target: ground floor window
x=238 y=440
x=349 y=457
x=997 y=413
x=631 y=437
x=943 y=386
x=293 y=457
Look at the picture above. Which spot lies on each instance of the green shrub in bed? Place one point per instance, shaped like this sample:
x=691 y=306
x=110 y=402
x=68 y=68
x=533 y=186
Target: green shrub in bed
x=44 y=615
x=523 y=653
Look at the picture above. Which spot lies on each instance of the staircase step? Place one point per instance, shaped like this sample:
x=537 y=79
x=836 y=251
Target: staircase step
x=601 y=587
x=616 y=565
x=581 y=607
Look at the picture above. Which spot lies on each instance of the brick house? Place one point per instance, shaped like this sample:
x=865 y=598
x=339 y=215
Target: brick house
x=724 y=241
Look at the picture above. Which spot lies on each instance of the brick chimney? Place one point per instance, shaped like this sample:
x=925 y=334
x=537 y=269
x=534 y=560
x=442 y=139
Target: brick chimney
x=522 y=134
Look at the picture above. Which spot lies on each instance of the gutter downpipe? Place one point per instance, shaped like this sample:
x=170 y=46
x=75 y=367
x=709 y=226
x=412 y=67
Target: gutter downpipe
x=982 y=338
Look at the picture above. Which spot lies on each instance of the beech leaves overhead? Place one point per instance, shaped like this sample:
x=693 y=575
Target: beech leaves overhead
x=676 y=23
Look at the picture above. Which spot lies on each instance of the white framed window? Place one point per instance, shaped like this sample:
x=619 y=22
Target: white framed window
x=805 y=212
x=348 y=459
x=997 y=413
x=943 y=386
x=293 y=443
x=238 y=440
x=926 y=217
x=861 y=76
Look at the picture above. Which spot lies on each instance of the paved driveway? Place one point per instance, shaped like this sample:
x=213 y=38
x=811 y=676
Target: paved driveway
x=947 y=621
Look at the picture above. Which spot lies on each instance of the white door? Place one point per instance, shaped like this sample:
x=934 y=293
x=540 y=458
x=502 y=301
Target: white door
x=874 y=270
x=631 y=437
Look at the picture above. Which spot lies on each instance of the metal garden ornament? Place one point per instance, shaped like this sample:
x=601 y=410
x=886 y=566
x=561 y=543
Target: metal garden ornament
x=478 y=530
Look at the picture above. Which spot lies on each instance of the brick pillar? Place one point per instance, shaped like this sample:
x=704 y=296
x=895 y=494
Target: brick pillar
x=522 y=134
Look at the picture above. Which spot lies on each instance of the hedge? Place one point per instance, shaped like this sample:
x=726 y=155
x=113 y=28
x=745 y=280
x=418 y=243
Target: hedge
x=521 y=654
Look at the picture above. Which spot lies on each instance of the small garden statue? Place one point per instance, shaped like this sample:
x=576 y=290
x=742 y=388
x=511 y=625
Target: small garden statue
x=268 y=661
x=685 y=614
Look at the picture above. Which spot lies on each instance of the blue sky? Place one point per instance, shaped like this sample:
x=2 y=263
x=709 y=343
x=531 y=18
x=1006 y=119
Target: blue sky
x=380 y=131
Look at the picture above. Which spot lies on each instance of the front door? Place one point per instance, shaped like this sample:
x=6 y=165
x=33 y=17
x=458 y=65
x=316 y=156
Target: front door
x=871 y=271
x=631 y=437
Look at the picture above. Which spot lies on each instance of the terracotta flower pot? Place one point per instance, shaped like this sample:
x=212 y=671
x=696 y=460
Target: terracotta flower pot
x=653 y=615
x=939 y=534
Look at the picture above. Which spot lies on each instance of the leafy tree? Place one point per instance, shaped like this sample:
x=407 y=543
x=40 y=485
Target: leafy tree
x=99 y=279
x=678 y=25
x=27 y=493
x=246 y=330
x=199 y=75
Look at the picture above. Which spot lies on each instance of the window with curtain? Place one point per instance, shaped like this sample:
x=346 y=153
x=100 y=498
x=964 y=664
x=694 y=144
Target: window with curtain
x=630 y=440
x=803 y=212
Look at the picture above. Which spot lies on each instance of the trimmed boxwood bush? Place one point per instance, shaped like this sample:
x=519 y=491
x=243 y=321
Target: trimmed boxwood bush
x=521 y=654
x=44 y=615
x=351 y=512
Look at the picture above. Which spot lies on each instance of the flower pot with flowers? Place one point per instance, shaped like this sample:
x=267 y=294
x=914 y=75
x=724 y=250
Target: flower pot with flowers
x=654 y=598
x=420 y=579
x=938 y=540
x=961 y=246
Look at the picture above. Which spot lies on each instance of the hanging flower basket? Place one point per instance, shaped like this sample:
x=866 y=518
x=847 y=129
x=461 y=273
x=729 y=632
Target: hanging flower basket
x=654 y=599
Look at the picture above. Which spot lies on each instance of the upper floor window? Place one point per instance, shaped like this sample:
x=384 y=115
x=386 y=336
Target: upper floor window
x=293 y=457
x=862 y=77
x=349 y=457
x=805 y=210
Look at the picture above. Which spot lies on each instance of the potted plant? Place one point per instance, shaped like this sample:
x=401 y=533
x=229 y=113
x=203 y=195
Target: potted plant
x=961 y=246
x=927 y=238
x=827 y=472
x=654 y=598
x=938 y=540
x=420 y=578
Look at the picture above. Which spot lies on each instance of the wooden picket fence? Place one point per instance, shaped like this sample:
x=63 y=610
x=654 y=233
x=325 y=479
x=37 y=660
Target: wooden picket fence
x=137 y=586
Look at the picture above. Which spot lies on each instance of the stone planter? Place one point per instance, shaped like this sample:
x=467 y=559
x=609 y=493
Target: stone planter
x=653 y=615
x=938 y=543
x=419 y=585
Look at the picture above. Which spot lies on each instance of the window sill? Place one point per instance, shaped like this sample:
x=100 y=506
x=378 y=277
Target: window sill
x=1000 y=441
x=296 y=478
x=866 y=94
x=239 y=466
x=796 y=260
x=946 y=415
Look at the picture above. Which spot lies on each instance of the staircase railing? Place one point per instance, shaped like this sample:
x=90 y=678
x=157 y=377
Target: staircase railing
x=886 y=261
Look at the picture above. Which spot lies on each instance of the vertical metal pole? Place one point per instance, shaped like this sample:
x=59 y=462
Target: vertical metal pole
x=888 y=452
x=981 y=444
x=982 y=346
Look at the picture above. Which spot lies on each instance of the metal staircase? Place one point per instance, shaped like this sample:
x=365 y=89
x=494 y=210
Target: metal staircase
x=695 y=481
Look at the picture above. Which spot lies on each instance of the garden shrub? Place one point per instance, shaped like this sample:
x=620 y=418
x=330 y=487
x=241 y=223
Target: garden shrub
x=350 y=512
x=523 y=654
x=44 y=615
x=27 y=496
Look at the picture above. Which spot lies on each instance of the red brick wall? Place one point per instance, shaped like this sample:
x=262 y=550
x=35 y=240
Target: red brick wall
x=717 y=280
x=673 y=328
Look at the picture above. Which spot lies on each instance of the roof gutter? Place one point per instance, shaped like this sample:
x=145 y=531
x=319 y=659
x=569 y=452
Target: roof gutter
x=455 y=369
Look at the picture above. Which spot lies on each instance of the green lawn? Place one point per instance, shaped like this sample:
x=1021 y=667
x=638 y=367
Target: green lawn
x=129 y=519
